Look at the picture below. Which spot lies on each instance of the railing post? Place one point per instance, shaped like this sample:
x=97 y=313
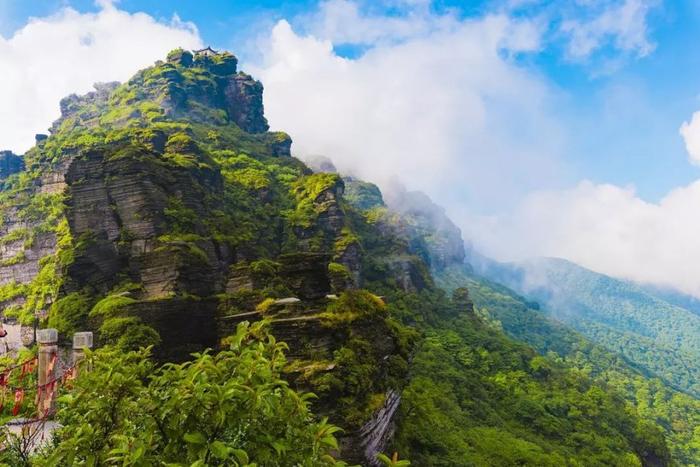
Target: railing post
x=48 y=359
x=81 y=341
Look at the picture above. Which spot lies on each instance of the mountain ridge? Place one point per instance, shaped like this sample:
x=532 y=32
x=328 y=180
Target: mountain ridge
x=621 y=314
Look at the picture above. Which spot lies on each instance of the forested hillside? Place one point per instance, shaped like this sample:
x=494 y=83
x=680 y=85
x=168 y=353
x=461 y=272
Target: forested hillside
x=677 y=413
x=661 y=338
x=471 y=387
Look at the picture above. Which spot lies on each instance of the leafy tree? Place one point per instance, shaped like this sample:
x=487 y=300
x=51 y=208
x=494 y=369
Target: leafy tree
x=229 y=408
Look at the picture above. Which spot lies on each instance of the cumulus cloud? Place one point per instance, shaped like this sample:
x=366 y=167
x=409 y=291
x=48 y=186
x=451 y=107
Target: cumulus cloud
x=605 y=228
x=444 y=105
x=622 y=24
x=343 y=22
x=65 y=53
x=690 y=131
x=439 y=102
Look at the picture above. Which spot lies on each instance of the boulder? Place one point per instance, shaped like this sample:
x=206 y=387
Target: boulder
x=181 y=57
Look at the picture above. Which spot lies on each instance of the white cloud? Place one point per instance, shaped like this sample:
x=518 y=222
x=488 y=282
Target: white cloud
x=347 y=22
x=690 y=131
x=442 y=106
x=342 y=22
x=440 y=103
x=52 y=57
x=622 y=24
x=605 y=228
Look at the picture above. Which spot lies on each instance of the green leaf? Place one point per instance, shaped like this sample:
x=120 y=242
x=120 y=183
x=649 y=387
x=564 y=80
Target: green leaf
x=241 y=456
x=219 y=450
x=195 y=438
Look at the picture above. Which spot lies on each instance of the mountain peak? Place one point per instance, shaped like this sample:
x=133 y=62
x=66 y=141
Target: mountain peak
x=203 y=86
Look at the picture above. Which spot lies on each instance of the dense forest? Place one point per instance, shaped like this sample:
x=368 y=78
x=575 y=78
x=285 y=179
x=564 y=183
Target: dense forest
x=677 y=413
x=626 y=318
x=478 y=398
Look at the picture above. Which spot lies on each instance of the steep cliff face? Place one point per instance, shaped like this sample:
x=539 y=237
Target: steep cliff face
x=429 y=239
x=162 y=211
x=133 y=182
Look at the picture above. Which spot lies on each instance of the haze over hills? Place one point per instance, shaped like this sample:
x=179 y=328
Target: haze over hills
x=673 y=296
x=658 y=336
x=531 y=320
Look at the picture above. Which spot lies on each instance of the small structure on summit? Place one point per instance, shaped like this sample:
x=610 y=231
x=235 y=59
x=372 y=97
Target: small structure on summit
x=208 y=52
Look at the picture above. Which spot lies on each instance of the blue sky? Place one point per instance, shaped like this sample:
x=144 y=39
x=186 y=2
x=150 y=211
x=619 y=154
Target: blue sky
x=544 y=127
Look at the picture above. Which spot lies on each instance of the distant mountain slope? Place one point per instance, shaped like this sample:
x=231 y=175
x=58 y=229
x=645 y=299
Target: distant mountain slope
x=677 y=413
x=661 y=338
x=674 y=297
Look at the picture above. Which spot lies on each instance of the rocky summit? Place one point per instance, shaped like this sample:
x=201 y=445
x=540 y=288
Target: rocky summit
x=163 y=212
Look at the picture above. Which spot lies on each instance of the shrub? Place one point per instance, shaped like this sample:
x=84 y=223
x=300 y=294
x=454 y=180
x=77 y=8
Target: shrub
x=265 y=305
x=69 y=314
x=128 y=334
x=353 y=305
x=111 y=305
x=230 y=408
